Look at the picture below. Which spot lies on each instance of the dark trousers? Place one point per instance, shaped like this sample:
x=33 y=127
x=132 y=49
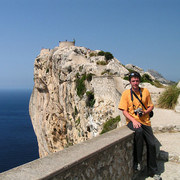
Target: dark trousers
x=144 y=133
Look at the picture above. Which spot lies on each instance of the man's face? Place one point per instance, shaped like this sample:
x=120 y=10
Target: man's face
x=135 y=83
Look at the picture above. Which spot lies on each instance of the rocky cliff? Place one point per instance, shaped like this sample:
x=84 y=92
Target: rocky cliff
x=76 y=90
x=158 y=76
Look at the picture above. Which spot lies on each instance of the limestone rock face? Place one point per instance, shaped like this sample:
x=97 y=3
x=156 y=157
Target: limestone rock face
x=59 y=115
x=158 y=76
x=178 y=85
x=73 y=95
x=134 y=68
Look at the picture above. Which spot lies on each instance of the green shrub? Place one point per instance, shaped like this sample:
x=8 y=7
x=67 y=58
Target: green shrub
x=89 y=77
x=108 y=56
x=69 y=69
x=78 y=121
x=75 y=111
x=146 y=78
x=80 y=68
x=92 y=54
x=77 y=75
x=47 y=70
x=126 y=78
x=130 y=70
x=107 y=71
x=110 y=124
x=127 y=75
x=80 y=85
x=168 y=98
x=157 y=84
x=101 y=63
x=73 y=115
x=101 y=53
x=90 y=101
x=69 y=142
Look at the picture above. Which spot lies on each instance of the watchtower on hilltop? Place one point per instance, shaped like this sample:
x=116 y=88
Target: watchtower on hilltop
x=66 y=43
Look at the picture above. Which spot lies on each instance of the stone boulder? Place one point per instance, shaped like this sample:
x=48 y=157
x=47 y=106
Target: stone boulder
x=134 y=68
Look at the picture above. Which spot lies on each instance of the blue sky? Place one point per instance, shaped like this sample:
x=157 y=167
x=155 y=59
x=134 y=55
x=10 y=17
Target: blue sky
x=145 y=33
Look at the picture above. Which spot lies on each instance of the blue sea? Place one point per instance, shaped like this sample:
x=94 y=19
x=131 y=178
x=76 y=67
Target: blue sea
x=18 y=143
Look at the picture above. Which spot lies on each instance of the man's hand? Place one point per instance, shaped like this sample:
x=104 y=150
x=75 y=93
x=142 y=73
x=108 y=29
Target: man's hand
x=136 y=124
x=148 y=110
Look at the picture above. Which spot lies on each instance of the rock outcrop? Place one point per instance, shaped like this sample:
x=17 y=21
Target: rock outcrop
x=177 y=107
x=134 y=68
x=74 y=95
x=67 y=84
x=158 y=76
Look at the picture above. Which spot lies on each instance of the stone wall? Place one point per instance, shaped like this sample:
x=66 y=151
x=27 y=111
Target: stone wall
x=105 y=89
x=108 y=156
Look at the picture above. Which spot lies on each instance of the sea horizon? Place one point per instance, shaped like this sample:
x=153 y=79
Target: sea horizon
x=18 y=140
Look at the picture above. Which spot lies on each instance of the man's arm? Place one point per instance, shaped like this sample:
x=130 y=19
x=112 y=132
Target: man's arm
x=149 y=105
x=148 y=110
x=136 y=124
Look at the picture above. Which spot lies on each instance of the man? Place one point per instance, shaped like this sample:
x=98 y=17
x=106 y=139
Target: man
x=138 y=120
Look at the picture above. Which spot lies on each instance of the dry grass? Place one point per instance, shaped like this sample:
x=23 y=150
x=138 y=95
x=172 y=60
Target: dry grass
x=168 y=98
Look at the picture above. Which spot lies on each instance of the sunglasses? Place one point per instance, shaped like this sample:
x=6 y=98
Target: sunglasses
x=134 y=74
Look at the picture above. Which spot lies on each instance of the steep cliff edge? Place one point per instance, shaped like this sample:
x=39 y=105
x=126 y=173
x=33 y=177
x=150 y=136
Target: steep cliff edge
x=71 y=98
x=73 y=95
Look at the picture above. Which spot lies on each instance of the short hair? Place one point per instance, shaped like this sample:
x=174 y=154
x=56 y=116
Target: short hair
x=134 y=74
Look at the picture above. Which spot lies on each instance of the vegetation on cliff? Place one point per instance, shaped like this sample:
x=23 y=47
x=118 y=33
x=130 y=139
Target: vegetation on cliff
x=101 y=63
x=107 y=55
x=90 y=99
x=80 y=84
x=169 y=97
x=81 y=88
x=110 y=124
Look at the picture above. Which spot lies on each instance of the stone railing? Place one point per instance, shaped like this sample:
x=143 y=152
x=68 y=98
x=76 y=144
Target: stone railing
x=108 y=156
